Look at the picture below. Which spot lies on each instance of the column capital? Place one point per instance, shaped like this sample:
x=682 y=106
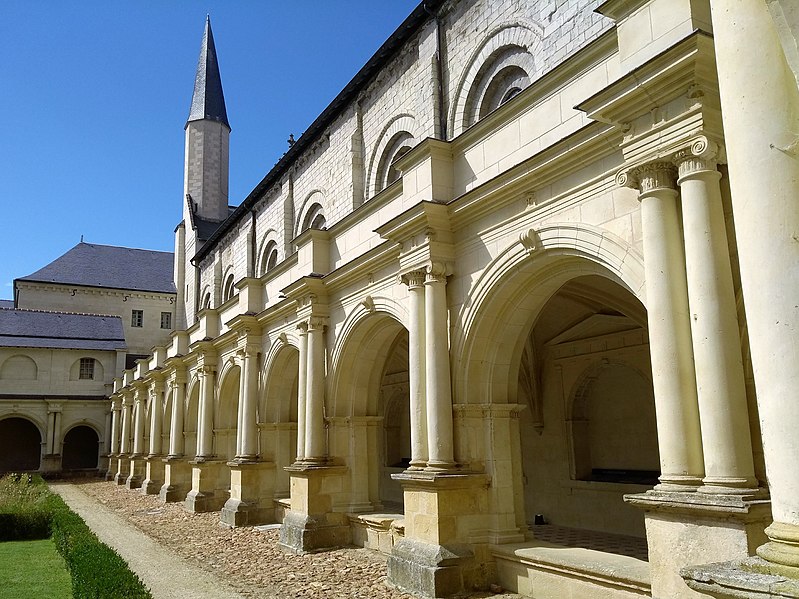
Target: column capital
x=316 y=323
x=437 y=271
x=649 y=177
x=700 y=155
x=206 y=370
x=414 y=278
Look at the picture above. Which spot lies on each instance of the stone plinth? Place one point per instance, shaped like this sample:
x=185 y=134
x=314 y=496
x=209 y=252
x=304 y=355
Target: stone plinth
x=177 y=479
x=251 y=494
x=122 y=471
x=113 y=467
x=154 y=475
x=439 y=556
x=752 y=578
x=209 y=484
x=136 y=472
x=312 y=525
x=684 y=529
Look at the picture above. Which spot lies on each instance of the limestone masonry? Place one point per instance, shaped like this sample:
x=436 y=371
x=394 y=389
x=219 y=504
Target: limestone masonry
x=519 y=308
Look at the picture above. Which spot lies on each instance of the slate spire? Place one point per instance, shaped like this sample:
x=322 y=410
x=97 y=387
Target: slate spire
x=208 y=101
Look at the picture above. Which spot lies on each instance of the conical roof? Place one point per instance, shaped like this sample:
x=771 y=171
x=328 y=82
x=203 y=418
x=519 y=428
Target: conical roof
x=208 y=101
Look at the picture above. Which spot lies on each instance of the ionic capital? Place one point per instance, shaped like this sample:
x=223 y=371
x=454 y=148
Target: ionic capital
x=206 y=370
x=649 y=177
x=437 y=272
x=699 y=156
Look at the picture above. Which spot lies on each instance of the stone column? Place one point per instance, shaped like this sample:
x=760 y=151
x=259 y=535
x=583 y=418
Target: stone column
x=248 y=403
x=124 y=445
x=138 y=426
x=57 y=432
x=760 y=101
x=302 y=331
x=416 y=366
x=205 y=428
x=176 y=429
x=50 y=432
x=115 y=426
x=721 y=391
x=156 y=407
x=679 y=439
x=315 y=450
x=437 y=372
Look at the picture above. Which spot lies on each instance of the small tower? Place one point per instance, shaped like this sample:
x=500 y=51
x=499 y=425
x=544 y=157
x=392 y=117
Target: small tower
x=207 y=139
x=205 y=176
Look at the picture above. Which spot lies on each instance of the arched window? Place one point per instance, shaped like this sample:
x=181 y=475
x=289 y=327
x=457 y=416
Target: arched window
x=86 y=369
x=206 y=302
x=229 y=288
x=398 y=146
x=314 y=219
x=19 y=368
x=269 y=257
x=502 y=77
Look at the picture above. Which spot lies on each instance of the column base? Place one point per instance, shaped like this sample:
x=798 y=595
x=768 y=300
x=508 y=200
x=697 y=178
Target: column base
x=445 y=515
x=154 y=475
x=251 y=494
x=429 y=570
x=113 y=467
x=121 y=475
x=683 y=529
x=208 y=490
x=177 y=480
x=50 y=463
x=312 y=525
x=751 y=578
x=302 y=533
x=136 y=473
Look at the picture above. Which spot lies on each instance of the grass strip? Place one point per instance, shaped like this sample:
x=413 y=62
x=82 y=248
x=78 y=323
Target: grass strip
x=33 y=569
x=96 y=570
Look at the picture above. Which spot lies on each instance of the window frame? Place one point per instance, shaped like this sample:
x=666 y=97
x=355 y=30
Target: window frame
x=168 y=316
x=137 y=319
x=86 y=369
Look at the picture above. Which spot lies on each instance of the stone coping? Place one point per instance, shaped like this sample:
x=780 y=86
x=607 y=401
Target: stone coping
x=750 y=578
x=589 y=564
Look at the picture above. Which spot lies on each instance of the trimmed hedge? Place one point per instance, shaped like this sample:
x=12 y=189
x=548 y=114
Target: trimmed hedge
x=97 y=571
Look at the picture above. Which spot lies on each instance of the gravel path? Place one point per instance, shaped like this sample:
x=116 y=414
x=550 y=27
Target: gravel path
x=166 y=575
x=249 y=560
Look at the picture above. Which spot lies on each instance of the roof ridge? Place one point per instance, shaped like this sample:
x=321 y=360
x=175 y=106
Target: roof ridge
x=122 y=247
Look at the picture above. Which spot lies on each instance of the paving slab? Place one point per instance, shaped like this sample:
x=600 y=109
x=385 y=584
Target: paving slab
x=166 y=574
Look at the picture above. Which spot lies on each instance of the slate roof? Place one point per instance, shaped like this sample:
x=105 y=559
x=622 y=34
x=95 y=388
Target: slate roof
x=93 y=265
x=62 y=330
x=6 y=303
x=208 y=101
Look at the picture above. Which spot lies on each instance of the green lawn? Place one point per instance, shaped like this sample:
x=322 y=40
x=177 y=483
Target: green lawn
x=33 y=569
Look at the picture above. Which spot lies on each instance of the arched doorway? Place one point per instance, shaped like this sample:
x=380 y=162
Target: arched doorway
x=370 y=407
x=277 y=415
x=20 y=445
x=226 y=420
x=589 y=435
x=81 y=449
x=190 y=420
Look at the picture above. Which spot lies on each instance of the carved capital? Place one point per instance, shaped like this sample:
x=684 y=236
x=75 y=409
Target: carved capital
x=414 y=278
x=302 y=328
x=700 y=155
x=437 y=272
x=649 y=177
x=205 y=370
x=316 y=323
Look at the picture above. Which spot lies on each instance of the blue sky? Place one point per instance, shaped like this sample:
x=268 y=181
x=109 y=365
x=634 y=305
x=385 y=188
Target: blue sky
x=94 y=96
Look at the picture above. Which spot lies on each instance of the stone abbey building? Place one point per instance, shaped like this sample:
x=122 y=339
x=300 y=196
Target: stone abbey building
x=519 y=307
